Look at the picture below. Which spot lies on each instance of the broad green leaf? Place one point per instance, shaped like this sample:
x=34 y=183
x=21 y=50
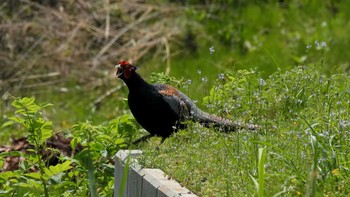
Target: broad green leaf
x=17 y=103
x=33 y=108
x=96 y=146
x=74 y=142
x=17 y=119
x=31 y=184
x=57 y=169
x=48 y=172
x=119 y=141
x=61 y=167
x=8 y=123
x=27 y=101
x=7 y=175
x=11 y=154
x=7 y=192
x=57 y=178
x=35 y=175
x=103 y=137
x=66 y=165
x=46 y=131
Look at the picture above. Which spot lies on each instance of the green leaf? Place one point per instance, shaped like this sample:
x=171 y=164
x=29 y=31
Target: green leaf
x=11 y=154
x=17 y=119
x=255 y=183
x=31 y=185
x=46 y=105
x=96 y=146
x=74 y=142
x=8 y=174
x=46 y=131
x=57 y=178
x=8 y=123
x=261 y=163
x=119 y=141
x=103 y=137
x=33 y=108
x=27 y=101
x=35 y=175
x=47 y=173
x=57 y=169
x=61 y=167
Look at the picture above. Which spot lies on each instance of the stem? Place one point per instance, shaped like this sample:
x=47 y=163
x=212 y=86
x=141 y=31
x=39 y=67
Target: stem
x=37 y=149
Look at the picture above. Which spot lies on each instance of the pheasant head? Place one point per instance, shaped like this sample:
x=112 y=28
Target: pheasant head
x=125 y=69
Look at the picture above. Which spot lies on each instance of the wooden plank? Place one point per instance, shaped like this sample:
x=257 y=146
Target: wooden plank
x=144 y=182
x=134 y=187
x=150 y=184
x=122 y=157
x=167 y=186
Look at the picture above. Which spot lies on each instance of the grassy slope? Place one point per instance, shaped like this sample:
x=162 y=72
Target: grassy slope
x=304 y=115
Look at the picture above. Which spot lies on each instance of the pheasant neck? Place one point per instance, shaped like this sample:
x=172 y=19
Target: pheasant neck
x=135 y=81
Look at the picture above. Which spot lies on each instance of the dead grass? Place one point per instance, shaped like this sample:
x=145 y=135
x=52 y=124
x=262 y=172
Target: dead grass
x=45 y=43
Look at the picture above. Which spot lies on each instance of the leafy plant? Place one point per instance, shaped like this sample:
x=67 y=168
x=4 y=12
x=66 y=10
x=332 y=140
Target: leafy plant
x=100 y=144
x=95 y=146
x=162 y=78
x=33 y=177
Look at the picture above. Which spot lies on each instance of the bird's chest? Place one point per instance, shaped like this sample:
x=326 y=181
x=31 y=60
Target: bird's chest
x=147 y=104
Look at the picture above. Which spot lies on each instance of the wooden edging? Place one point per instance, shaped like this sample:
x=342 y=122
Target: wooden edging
x=131 y=180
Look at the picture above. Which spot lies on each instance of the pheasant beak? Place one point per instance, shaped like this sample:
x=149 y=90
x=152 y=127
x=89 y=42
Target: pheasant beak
x=120 y=70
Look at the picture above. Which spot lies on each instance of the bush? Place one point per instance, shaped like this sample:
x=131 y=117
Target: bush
x=97 y=146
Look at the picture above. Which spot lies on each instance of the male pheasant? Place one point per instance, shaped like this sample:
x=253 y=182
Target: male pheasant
x=162 y=109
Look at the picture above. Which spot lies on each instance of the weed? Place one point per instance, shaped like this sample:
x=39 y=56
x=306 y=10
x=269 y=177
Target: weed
x=97 y=145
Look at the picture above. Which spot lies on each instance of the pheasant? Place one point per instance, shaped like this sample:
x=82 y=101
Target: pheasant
x=162 y=109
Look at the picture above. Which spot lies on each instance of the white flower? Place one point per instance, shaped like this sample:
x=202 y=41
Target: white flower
x=211 y=50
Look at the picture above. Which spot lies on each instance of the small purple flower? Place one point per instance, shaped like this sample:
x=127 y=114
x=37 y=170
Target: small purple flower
x=221 y=76
x=344 y=123
x=262 y=82
x=317 y=43
x=211 y=50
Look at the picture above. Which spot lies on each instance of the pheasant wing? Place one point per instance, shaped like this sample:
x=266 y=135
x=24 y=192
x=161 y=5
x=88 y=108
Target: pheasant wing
x=175 y=100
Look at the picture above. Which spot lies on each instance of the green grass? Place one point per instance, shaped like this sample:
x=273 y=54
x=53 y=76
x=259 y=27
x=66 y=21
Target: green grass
x=304 y=119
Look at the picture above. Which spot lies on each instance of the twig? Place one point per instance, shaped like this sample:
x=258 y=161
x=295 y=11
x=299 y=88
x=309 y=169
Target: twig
x=107 y=19
x=52 y=74
x=144 y=17
x=42 y=84
x=167 y=50
x=99 y=99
